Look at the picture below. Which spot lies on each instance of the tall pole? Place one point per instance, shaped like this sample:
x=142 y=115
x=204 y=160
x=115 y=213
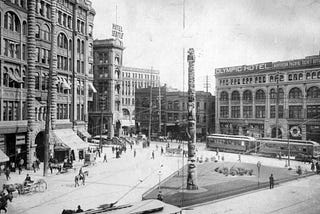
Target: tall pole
x=150 y=108
x=277 y=106
x=49 y=96
x=192 y=177
x=207 y=105
x=102 y=105
x=159 y=108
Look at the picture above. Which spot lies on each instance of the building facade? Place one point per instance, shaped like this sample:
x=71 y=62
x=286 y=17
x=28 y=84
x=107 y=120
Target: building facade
x=134 y=78
x=250 y=96
x=106 y=108
x=174 y=112
x=39 y=36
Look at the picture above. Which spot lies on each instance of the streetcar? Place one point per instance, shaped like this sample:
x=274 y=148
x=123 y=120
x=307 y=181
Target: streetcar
x=230 y=143
x=300 y=149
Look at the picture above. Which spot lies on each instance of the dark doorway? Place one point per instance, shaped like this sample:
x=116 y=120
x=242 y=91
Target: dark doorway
x=273 y=133
x=40 y=146
x=11 y=146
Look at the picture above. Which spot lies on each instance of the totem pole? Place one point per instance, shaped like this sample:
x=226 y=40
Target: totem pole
x=192 y=173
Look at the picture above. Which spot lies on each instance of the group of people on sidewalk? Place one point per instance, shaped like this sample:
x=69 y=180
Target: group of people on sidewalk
x=315 y=167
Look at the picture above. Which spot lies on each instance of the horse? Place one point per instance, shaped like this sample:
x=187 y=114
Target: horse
x=40 y=182
x=79 y=177
x=4 y=201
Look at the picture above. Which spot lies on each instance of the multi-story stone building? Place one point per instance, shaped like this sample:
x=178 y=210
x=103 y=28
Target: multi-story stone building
x=248 y=97
x=39 y=36
x=174 y=112
x=134 y=78
x=106 y=108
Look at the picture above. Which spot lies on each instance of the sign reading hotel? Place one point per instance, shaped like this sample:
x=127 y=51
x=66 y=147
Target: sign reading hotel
x=270 y=65
x=117 y=31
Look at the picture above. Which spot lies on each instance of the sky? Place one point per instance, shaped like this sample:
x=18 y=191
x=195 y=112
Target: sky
x=222 y=33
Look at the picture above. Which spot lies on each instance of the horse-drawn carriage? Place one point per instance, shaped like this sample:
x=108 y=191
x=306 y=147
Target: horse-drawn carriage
x=27 y=187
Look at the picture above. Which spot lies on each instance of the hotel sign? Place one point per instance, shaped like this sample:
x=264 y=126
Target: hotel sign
x=270 y=65
x=117 y=31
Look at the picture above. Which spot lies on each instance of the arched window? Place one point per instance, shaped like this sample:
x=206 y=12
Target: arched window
x=78 y=45
x=247 y=95
x=260 y=95
x=273 y=94
x=308 y=76
x=37 y=31
x=12 y=22
x=24 y=28
x=313 y=92
x=290 y=77
x=300 y=76
x=224 y=96
x=46 y=33
x=62 y=41
x=37 y=81
x=271 y=78
x=235 y=96
x=82 y=47
x=314 y=75
x=5 y=77
x=295 y=93
x=70 y=45
x=281 y=93
x=318 y=75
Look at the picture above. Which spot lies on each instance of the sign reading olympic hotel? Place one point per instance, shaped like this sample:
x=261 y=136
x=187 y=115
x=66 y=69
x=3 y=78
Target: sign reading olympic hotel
x=270 y=65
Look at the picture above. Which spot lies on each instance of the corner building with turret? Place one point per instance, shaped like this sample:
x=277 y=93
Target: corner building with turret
x=247 y=98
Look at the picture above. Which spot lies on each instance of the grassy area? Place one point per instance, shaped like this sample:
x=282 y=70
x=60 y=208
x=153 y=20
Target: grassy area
x=214 y=185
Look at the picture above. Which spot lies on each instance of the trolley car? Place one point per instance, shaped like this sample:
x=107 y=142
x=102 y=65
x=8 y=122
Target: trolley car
x=272 y=147
x=232 y=143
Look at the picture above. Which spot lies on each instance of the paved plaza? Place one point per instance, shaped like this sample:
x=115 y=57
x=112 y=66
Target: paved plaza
x=124 y=180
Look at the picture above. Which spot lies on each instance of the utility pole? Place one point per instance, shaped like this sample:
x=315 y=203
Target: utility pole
x=49 y=95
x=159 y=109
x=150 y=108
x=207 y=102
x=277 y=106
x=192 y=170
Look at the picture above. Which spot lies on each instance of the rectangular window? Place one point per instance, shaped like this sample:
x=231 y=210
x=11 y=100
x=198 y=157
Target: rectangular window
x=273 y=112
x=78 y=66
x=313 y=111
x=224 y=111
x=260 y=111
x=247 y=111
x=235 y=111
x=295 y=112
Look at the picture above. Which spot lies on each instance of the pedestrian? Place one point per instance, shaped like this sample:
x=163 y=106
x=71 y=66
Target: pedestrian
x=19 y=168
x=79 y=210
x=312 y=166
x=271 y=181
x=83 y=179
x=7 y=173
x=76 y=180
x=50 y=167
x=222 y=158
x=34 y=166
x=152 y=154
x=317 y=167
x=239 y=157
x=134 y=153
x=131 y=146
x=13 y=166
x=105 y=158
x=160 y=196
x=161 y=150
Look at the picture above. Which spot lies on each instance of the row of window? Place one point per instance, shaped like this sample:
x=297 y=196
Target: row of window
x=272 y=78
x=140 y=76
x=20 y=3
x=295 y=112
x=13 y=49
x=294 y=93
x=126 y=101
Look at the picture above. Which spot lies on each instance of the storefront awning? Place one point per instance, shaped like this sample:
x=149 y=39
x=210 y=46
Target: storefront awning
x=84 y=133
x=69 y=138
x=3 y=157
x=61 y=147
x=127 y=123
